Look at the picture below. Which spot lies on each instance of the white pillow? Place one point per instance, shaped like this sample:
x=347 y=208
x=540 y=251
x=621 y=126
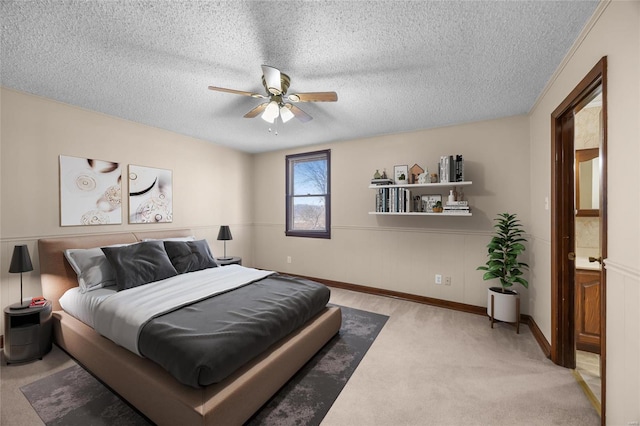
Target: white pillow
x=92 y=267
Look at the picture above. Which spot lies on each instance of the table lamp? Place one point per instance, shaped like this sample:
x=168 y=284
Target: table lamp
x=20 y=262
x=224 y=234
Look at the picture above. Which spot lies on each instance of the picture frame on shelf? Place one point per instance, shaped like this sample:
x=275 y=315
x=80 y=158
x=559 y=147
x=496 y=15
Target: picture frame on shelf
x=429 y=200
x=401 y=174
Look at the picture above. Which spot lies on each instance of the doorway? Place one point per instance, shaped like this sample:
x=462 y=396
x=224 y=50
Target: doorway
x=578 y=298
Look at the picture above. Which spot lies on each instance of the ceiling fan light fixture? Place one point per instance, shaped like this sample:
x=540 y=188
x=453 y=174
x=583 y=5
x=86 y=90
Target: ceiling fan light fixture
x=285 y=114
x=278 y=103
x=271 y=112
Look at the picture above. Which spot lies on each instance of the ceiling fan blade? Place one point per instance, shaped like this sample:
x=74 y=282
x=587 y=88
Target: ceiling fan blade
x=256 y=111
x=300 y=114
x=272 y=79
x=314 y=97
x=237 y=92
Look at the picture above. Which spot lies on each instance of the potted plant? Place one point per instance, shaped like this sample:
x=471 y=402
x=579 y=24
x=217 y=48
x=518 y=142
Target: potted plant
x=437 y=207
x=504 y=250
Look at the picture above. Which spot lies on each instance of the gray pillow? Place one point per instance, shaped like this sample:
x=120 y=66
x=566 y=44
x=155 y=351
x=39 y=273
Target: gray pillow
x=189 y=256
x=139 y=264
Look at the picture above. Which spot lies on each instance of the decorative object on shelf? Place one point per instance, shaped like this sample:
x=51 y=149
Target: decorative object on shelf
x=384 y=174
x=90 y=192
x=503 y=251
x=437 y=207
x=417 y=204
x=400 y=174
x=429 y=202
x=150 y=195
x=20 y=262
x=423 y=178
x=414 y=172
x=452 y=197
x=379 y=180
x=224 y=234
x=434 y=178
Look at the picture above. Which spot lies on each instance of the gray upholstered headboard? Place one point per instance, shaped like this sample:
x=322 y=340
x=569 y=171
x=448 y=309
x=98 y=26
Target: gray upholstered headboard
x=56 y=274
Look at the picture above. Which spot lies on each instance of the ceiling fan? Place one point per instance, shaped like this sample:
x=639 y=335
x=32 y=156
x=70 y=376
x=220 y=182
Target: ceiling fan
x=279 y=103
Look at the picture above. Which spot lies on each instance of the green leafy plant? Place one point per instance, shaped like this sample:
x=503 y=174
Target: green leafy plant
x=503 y=251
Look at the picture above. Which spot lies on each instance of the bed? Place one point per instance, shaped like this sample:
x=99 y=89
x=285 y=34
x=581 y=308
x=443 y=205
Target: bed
x=149 y=387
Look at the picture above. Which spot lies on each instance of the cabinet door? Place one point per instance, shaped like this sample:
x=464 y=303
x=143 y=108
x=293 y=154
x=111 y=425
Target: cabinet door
x=588 y=311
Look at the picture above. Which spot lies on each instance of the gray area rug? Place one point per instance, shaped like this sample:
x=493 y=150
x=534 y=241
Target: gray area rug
x=73 y=397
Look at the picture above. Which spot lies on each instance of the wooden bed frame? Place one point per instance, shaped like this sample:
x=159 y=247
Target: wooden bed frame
x=145 y=384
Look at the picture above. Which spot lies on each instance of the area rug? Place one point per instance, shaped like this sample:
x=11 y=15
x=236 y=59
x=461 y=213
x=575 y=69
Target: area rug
x=73 y=397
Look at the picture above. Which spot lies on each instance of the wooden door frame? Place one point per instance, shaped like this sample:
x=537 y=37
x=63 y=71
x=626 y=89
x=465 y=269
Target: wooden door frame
x=563 y=278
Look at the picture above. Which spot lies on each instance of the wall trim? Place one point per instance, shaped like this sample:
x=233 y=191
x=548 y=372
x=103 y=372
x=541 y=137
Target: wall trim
x=456 y=306
x=628 y=271
x=544 y=344
x=540 y=240
x=112 y=232
x=399 y=228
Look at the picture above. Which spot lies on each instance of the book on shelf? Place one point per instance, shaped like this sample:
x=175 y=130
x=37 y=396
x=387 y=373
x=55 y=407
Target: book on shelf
x=458 y=203
x=451 y=168
x=393 y=200
x=381 y=182
x=459 y=169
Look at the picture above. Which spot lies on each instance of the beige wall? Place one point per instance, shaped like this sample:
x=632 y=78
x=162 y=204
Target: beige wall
x=393 y=252
x=615 y=34
x=211 y=184
x=508 y=161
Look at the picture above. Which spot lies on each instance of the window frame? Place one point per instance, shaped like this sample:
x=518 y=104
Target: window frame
x=290 y=161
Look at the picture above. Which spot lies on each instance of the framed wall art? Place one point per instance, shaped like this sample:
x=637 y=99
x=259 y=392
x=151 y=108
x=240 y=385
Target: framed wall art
x=150 y=195
x=90 y=191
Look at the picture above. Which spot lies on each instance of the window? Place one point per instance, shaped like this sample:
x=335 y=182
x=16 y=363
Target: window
x=309 y=194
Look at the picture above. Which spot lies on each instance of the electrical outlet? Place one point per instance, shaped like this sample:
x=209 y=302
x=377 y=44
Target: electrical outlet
x=447 y=280
x=288 y=259
x=438 y=279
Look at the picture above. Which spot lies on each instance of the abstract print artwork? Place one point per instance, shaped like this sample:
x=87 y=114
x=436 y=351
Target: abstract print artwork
x=90 y=192
x=150 y=195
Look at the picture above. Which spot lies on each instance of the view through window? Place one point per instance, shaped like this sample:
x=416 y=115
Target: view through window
x=308 y=194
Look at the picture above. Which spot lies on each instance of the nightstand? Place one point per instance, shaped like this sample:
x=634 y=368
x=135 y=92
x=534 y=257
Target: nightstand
x=228 y=261
x=27 y=333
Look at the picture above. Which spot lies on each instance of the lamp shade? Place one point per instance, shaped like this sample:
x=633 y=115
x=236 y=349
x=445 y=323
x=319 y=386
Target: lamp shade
x=20 y=261
x=224 y=234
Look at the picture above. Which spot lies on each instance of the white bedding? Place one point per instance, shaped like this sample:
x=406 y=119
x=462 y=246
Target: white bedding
x=82 y=305
x=121 y=316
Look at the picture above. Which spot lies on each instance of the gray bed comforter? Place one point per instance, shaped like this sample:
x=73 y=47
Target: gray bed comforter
x=205 y=342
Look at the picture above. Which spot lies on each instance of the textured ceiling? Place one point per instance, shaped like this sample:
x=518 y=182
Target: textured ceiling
x=396 y=65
